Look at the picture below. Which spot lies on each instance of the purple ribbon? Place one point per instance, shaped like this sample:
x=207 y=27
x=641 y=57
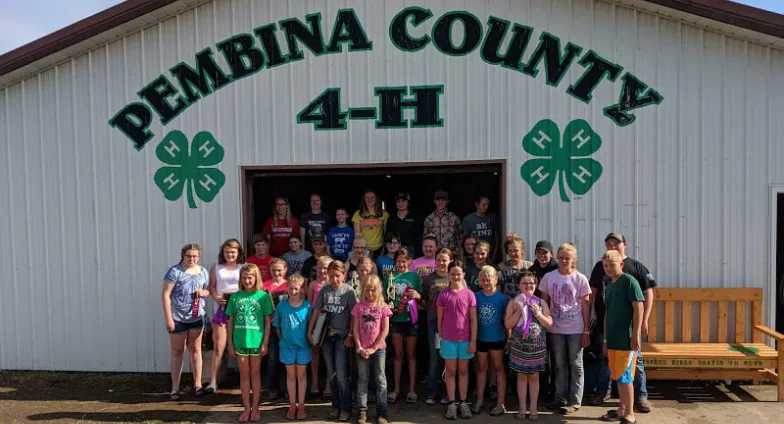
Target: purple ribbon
x=527 y=301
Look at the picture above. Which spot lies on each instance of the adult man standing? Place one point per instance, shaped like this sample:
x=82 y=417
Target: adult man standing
x=484 y=226
x=405 y=225
x=621 y=344
x=443 y=223
x=599 y=281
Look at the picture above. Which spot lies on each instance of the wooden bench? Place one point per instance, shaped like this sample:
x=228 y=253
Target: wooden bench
x=706 y=336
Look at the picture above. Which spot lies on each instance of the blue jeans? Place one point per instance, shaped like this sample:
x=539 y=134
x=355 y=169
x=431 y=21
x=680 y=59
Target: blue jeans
x=273 y=364
x=374 y=365
x=640 y=382
x=569 y=374
x=597 y=374
x=336 y=354
x=434 y=362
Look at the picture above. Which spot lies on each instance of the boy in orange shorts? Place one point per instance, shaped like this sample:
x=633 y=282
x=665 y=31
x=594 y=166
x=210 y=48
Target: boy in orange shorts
x=622 y=325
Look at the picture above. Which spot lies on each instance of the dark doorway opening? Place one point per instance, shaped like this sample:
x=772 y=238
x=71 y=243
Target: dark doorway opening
x=780 y=262
x=343 y=186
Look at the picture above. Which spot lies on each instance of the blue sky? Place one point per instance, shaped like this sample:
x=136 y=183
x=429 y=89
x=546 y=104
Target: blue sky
x=23 y=21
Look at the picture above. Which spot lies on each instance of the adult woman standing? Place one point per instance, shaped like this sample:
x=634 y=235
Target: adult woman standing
x=370 y=221
x=184 y=289
x=280 y=226
x=224 y=280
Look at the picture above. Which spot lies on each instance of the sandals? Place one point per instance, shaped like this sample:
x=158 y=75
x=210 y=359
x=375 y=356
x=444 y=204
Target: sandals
x=412 y=397
x=520 y=416
x=301 y=414
x=476 y=408
x=292 y=413
x=255 y=416
x=625 y=421
x=244 y=417
x=211 y=388
x=198 y=391
x=392 y=397
x=174 y=396
x=610 y=416
x=533 y=417
x=497 y=411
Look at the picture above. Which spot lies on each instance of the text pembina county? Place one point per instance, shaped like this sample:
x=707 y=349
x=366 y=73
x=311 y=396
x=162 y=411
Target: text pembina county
x=410 y=30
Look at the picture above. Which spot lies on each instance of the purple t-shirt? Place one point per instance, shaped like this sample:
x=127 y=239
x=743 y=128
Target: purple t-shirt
x=423 y=266
x=370 y=317
x=566 y=293
x=456 y=323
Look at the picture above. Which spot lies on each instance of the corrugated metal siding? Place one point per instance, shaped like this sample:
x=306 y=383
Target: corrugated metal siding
x=89 y=235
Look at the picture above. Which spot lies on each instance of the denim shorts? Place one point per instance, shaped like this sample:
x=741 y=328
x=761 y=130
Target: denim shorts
x=182 y=327
x=295 y=356
x=404 y=328
x=455 y=350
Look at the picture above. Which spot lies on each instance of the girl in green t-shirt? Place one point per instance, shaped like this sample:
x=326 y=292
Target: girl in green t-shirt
x=250 y=316
x=408 y=286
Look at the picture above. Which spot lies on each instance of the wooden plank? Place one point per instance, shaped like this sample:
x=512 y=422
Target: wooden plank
x=712 y=294
x=692 y=374
x=686 y=322
x=653 y=323
x=780 y=368
x=740 y=321
x=756 y=319
x=669 y=322
x=722 y=319
x=705 y=321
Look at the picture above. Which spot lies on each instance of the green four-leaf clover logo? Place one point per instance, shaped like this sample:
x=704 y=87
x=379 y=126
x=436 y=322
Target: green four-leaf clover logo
x=191 y=169
x=563 y=159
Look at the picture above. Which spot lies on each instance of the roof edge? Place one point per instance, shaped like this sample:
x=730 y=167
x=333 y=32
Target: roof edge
x=75 y=33
x=732 y=13
x=728 y=12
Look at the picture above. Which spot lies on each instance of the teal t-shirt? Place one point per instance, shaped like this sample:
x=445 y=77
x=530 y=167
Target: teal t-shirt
x=249 y=310
x=293 y=324
x=619 y=298
x=401 y=282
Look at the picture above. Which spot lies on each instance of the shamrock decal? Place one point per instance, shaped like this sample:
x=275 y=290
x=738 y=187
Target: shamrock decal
x=561 y=159
x=190 y=169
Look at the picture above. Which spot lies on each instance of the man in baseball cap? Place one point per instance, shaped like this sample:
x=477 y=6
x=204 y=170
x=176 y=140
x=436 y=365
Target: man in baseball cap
x=599 y=281
x=443 y=223
x=407 y=226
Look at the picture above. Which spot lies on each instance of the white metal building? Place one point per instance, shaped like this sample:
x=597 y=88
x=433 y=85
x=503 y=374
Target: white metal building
x=685 y=96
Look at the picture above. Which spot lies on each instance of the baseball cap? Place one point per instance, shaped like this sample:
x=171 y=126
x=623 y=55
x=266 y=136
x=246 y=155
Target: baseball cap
x=403 y=196
x=544 y=245
x=441 y=194
x=318 y=237
x=616 y=235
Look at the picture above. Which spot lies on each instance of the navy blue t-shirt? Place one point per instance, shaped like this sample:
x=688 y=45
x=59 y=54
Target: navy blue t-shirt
x=339 y=241
x=490 y=316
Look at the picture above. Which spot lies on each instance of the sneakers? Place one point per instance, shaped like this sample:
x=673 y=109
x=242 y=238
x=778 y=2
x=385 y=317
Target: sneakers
x=570 y=409
x=642 y=405
x=430 y=400
x=465 y=410
x=345 y=415
x=334 y=414
x=444 y=400
x=451 y=411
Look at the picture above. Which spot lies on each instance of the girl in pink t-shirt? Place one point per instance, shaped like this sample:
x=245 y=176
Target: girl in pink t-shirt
x=457 y=327
x=322 y=273
x=278 y=289
x=425 y=264
x=370 y=329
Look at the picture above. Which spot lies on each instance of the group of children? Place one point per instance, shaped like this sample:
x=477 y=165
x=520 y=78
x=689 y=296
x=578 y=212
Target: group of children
x=500 y=315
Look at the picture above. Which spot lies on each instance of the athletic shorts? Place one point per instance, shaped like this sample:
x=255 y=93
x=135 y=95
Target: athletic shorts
x=295 y=356
x=404 y=328
x=455 y=350
x=246 y=351
x=622 y=365
x=488 y=346
x=182 y=327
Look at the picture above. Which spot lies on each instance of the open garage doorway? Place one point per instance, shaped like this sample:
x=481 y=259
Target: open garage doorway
x=342 y=185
